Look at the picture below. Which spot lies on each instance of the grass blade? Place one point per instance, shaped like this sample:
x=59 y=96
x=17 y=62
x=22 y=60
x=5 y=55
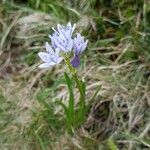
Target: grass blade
x=71 y=98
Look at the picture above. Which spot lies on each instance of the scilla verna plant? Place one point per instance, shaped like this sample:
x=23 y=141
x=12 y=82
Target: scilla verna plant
x=62 y=44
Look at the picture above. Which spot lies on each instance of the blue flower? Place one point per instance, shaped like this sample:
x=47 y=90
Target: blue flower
x=66 y=31
x=79 y=46
x=62 y=37
x=50 y=57
x=61 y=40
x=75 y=61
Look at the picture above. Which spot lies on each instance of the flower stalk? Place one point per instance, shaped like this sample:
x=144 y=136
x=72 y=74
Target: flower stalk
x=62 y=43
x=81 y=88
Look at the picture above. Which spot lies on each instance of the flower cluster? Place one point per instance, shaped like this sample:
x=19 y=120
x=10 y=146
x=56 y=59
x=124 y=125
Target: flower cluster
x=62 y=41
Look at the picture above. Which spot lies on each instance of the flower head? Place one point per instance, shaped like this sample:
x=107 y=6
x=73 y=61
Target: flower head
x=65 y=31
x=79 y=46
x=61 y=40
x=50 y=57
x=62 y=37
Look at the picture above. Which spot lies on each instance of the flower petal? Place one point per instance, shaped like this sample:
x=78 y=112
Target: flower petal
x=75 y=61
x=73 y=28
x=78 y=44
x=69 y=24
x=46 y=65
x=59 y=28
x=84 y=46
x=59 y=60
x=70 y=45
x=44 y=56
x=49 y=49
x=58 y=44
x=57 y=51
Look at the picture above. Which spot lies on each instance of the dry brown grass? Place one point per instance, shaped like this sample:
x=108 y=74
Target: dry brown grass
x=120 y=110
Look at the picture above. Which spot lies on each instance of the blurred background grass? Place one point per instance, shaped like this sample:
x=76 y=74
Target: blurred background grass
x=117 y=60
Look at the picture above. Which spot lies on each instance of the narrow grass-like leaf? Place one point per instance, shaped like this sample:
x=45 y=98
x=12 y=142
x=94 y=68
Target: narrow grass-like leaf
x=67 y=115
x=80 y=116
x=71 y=98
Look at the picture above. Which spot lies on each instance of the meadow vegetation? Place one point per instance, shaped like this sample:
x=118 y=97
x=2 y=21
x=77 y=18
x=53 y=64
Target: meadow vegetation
x=115 y=68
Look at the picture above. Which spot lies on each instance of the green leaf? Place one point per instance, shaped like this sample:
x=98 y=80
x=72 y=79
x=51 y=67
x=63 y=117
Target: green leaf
x=71 y=97
x=83 y=87
x=80 y=113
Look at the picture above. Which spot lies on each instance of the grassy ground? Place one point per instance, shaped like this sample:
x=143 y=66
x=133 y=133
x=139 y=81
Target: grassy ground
x=117 y=60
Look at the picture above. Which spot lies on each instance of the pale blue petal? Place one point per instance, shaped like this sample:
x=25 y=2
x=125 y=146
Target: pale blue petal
x=59 y=45
x=73 y=28
x=59 y=60
x=59 y=28
x=57 y=51
x=79 y=45
x=49 y=49
x=55 y=31
x=46 y=65
x=84 y=46
x=69 y=24
x=70 y=45
x=44 y=56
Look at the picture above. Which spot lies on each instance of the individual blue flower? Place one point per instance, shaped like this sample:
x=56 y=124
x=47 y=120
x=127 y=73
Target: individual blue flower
x=66 y=31
x=50 y=57
x=62 y=37
x=79 y=46
x=75 y=61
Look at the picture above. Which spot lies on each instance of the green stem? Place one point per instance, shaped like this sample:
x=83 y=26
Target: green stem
x=75 y=76
x=82 y=99
x=67 y=61
x=78 y=83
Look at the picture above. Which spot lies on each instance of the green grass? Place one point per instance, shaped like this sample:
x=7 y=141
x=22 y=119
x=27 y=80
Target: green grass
x=115 y=68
